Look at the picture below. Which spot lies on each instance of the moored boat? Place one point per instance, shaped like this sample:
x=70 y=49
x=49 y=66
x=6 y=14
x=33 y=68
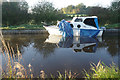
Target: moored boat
x=79 y=26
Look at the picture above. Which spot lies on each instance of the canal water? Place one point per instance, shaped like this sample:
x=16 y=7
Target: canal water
x=54 y=53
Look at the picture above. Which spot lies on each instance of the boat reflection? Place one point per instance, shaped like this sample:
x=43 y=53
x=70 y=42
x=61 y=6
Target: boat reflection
x=78 y=44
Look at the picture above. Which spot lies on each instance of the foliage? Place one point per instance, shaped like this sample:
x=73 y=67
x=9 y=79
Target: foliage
x=78 y=9
x=115 y=11
x=108 y=15
x=14 y=13
x=103 y=71
x=13 y=68
x=44 y=12
x=117 y=26
x=67 y=75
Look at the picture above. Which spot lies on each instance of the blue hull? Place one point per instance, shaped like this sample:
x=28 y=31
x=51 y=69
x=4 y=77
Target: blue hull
x=89 y=32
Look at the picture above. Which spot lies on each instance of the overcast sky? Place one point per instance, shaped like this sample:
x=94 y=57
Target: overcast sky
x=64 y=3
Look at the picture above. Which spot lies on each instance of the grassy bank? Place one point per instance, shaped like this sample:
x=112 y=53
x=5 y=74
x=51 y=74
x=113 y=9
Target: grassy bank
x=34 y=27
x=23 y=27
x=113 y=26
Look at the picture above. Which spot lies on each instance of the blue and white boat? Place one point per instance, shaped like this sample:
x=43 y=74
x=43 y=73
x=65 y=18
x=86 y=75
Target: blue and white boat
x=79 y=26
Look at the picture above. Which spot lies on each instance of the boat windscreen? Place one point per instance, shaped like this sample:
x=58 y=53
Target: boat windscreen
x=91 y=22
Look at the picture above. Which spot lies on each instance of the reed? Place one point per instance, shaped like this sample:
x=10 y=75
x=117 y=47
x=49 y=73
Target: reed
x=101 y=71
x=12 y=68
x=68 y=75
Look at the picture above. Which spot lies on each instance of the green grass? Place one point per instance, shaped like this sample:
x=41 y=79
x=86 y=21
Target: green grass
x=23 y=27
x=115 y=26
x=103 y=71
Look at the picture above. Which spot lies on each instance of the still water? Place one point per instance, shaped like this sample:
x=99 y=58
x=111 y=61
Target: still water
x=54 y=53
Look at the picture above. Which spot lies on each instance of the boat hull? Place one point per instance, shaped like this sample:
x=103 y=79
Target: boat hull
x=54 y=30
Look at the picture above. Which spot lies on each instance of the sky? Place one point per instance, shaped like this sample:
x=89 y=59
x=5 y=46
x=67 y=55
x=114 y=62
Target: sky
x=64 y=3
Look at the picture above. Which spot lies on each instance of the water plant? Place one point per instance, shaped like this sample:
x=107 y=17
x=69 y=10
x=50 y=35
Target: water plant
x=68 y=75
x=101 y=71
x=12 y=67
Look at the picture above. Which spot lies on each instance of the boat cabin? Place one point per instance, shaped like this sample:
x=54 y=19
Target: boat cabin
x=85 y=22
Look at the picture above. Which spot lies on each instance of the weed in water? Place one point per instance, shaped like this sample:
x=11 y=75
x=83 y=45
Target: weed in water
x=103 y=71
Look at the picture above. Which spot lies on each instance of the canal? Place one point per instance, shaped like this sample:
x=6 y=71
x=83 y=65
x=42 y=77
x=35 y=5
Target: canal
x=54 y=53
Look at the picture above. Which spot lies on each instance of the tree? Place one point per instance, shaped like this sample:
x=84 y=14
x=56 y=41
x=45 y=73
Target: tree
x=45 y=12
x=115 y=12
x=103 y=14
x=14 y=13
x=71 y=9
x=81 y=9
x=0 y=13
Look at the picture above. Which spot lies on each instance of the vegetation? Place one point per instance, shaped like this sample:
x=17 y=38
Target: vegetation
x=18 y=13
x=22 y=27
x=109 y=15
x=115 y=26
x=103 y=71
x=71 y=9
x=15 y=13
x=44 y=12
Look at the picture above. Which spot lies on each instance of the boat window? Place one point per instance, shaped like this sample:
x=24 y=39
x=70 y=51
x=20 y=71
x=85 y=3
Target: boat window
x=78 y=20
x=90 y=21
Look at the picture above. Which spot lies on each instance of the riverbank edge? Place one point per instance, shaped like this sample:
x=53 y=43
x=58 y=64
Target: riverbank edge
x=24 y=31
x=45 y=31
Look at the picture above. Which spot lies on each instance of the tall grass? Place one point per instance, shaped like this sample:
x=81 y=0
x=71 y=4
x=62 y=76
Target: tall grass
x=68 y=75
x=12 y=68
x=101 y=71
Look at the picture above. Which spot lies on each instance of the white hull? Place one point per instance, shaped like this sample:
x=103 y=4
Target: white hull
x=100 y=33
x=54 y=30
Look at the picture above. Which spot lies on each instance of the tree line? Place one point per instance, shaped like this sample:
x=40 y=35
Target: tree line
x=109 y=15
x=16 y=13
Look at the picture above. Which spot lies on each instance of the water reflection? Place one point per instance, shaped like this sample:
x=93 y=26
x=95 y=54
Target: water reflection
x=46 y=44
x=36 y=41
x=111 y=43
x=78 y=44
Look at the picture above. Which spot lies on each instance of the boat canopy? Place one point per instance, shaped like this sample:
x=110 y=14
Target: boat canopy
x=96 y=22
x=65 y=28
